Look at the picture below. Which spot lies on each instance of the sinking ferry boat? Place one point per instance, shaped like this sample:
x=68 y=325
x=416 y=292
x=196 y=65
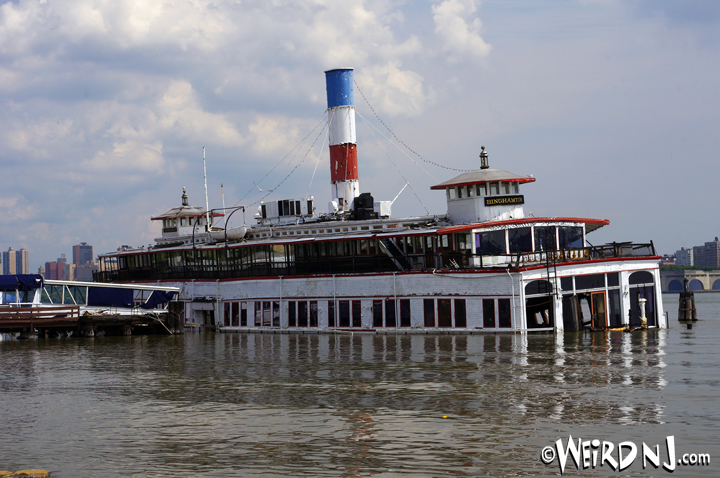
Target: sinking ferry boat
x=481 y=267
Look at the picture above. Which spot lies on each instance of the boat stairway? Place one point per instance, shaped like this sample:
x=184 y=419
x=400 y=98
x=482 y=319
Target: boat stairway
x=394 y=252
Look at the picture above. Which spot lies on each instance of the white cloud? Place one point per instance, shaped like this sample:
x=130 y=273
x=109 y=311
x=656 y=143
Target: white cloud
x=273 y=134
x=180 y=114
x=38 y=138
x=129 y=156
x=15 y=208
x=351 y=34
x=394 y=91
x=117 y=24
x=9 y=80
x=459 y=34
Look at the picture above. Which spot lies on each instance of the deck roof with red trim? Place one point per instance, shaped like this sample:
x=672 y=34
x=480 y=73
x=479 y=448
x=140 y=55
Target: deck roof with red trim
x=481 y=176
x=590 y=224
x=185 y=211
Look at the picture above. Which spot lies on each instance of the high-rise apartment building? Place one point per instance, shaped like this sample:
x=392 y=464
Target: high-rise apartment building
x=15 y=262
x=684 y=257
x=8 y=262
x=82 y=253
x=22 y=261
x=54 y=271
x=707 y=255
x=60 y=269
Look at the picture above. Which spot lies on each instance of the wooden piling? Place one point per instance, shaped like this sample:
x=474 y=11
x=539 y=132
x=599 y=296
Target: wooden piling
x=686 y=307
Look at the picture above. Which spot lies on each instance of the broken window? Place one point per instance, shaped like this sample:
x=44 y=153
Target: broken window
x=313 y=313
x=235 y=314
x=590 y=281
x=390 y=313
x=538 y=311
x=357 y=313
x=570 y=237
x=489 y=313
x=490 y=242
x=291 y=314
x=444 y=313
x=331 y=313
x=227 y=314
x=538 y=287
x=429 y=306
x=460 y=313
x=405 y=313
x=344 y=313
x=545 y=238
x=520 y=239
x=266 y=314
x=302 y=314
x=377 y=313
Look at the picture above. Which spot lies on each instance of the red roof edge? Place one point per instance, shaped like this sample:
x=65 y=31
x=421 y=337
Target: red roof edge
x=517 y=180
x=157 y=218
x=525 y=220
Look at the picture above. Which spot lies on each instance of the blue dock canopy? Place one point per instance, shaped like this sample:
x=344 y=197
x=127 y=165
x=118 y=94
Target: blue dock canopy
x=109 y=297
x=23 y=282
x=156 y=298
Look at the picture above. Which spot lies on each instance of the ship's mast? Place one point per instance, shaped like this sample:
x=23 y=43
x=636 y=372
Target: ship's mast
x=207 y=204
x=222 y=193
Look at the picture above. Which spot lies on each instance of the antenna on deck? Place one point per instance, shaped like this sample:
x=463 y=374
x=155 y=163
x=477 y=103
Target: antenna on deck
x=222 y=193
x=207 y=205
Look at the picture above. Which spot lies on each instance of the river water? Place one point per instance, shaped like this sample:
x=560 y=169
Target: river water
x=237 y=405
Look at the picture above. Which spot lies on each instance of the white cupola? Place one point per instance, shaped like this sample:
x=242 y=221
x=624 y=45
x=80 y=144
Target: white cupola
x=484 y=195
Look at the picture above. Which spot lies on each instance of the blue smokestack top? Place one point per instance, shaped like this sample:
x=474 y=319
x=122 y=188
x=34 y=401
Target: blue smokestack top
x=340 y=87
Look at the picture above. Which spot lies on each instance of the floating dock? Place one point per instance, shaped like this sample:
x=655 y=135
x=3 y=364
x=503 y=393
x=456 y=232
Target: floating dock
x=30 y=305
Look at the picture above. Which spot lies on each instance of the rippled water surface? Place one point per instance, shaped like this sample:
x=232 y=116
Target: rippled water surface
x=236 y=405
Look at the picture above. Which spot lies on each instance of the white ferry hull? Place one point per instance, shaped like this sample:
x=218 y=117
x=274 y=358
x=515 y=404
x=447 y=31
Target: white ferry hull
x=464 y=301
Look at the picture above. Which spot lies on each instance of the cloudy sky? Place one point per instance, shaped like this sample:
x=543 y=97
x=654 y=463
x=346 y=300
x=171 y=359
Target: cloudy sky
x=614 y=106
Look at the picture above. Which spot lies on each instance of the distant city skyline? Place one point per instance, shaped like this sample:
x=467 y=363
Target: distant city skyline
x=81 y=267
x=702 y=255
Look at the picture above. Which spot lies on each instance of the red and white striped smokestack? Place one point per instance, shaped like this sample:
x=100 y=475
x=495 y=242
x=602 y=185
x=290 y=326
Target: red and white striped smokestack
x=343 y=150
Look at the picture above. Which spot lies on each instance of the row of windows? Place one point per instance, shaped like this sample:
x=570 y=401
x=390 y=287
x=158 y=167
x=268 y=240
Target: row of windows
x=528 y=239
x=588 y=282
x=442 y=313
x=190 y=221
x=495 y=188
x=521 y=239
x=283 y=254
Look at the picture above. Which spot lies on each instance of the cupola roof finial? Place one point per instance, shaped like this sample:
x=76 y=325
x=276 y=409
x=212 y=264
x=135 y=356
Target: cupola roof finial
x=184 y=198
x=483 y=158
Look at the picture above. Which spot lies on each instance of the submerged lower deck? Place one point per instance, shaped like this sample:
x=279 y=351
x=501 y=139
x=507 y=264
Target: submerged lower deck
x=571 y=297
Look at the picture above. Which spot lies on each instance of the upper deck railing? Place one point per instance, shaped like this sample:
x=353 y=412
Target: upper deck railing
x=607 y=251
